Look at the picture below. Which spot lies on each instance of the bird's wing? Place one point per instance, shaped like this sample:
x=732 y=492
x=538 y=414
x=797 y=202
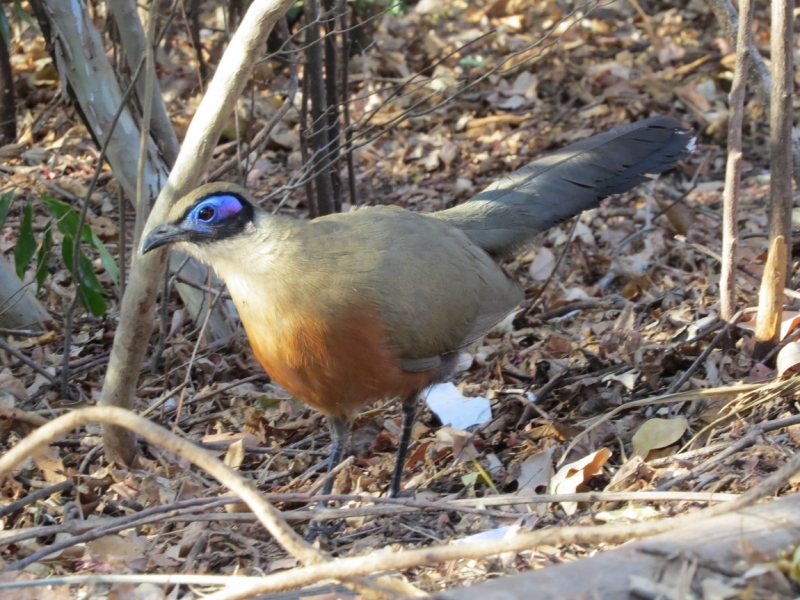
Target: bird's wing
x=436 y=290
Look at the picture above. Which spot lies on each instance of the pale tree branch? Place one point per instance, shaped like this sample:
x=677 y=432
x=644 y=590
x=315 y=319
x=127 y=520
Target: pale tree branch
x=135 y=44
x=136 y=315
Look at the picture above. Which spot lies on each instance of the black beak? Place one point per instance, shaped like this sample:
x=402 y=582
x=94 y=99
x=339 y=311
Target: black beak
x=162 y=235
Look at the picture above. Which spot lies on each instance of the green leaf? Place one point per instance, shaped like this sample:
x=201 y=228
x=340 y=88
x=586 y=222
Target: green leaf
x=5 y=205
x=43 y=256
x=68 y=220
x=90 y=291
x=26 y=243
x=108 y=262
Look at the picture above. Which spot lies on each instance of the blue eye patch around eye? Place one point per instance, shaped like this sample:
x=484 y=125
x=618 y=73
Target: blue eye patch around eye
x=224 y=206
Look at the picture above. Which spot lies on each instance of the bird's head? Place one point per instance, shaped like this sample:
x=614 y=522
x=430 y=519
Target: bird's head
x=212 y=213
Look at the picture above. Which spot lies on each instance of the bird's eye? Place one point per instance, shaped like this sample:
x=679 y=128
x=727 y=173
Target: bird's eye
x=206 y=213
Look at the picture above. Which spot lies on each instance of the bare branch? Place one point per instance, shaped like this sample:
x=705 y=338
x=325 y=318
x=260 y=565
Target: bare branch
x=730 y=218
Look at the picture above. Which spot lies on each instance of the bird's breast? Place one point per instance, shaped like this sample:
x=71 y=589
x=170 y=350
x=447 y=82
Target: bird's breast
x=335 y=359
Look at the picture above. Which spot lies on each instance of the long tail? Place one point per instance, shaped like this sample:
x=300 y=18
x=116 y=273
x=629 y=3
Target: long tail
x=563 y=184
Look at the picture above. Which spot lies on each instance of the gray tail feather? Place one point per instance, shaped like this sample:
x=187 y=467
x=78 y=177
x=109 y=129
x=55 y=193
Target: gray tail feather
x=563 y=184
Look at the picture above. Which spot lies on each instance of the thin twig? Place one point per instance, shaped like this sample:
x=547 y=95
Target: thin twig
x=11 y=508
x=739 y=445
x=155 y=434
x=4 y=345
x=561 y=256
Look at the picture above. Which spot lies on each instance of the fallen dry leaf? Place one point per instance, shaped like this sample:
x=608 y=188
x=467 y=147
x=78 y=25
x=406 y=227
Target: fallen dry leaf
x=542 y=266
x=235 y=454
x=571 y=477
x=788 y=358
x=658 y=433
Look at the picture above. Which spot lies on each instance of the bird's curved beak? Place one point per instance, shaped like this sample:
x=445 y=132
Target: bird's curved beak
x=162 y=235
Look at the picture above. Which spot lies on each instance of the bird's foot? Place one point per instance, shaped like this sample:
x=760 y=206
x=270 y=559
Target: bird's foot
x=318 y=530
x=401 y=494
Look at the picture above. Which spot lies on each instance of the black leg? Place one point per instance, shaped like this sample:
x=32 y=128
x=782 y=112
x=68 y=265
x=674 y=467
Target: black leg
x=409 y=412
x=339 y=430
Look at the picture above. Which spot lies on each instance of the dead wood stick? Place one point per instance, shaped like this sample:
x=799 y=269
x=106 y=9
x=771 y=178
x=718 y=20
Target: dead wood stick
x=770 y=300
x=337 y=514
x=180 y=511
x=782 y=137
x=731 y=449
x=737 y=446
x=609 y=302
x=94 y=530
x=13 y=536
x=4 y=345
x=21 y=332
x=710 y=253
x=319 y=483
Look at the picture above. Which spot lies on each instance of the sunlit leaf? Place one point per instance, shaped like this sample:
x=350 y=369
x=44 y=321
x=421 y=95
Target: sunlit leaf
x=658 y=433
x=26 y=243
x=570 y=478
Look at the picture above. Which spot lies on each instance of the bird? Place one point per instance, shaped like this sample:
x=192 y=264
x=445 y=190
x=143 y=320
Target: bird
x=373 y=304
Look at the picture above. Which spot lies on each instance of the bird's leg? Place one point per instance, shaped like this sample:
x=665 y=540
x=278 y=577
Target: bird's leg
x=409 y=412
x=339 y=429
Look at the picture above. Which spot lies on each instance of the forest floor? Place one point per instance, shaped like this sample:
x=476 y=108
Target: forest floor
x=620 y=304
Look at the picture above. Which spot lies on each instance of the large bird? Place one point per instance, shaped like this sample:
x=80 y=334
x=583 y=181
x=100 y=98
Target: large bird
x=351 y=308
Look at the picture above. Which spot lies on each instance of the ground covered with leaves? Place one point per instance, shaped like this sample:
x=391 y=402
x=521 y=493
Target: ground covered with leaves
x=621 y=306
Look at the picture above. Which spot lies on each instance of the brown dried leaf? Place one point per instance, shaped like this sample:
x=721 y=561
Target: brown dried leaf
x=571 y=477
x=48 y=460
x=235 y=454
x=658 y=433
